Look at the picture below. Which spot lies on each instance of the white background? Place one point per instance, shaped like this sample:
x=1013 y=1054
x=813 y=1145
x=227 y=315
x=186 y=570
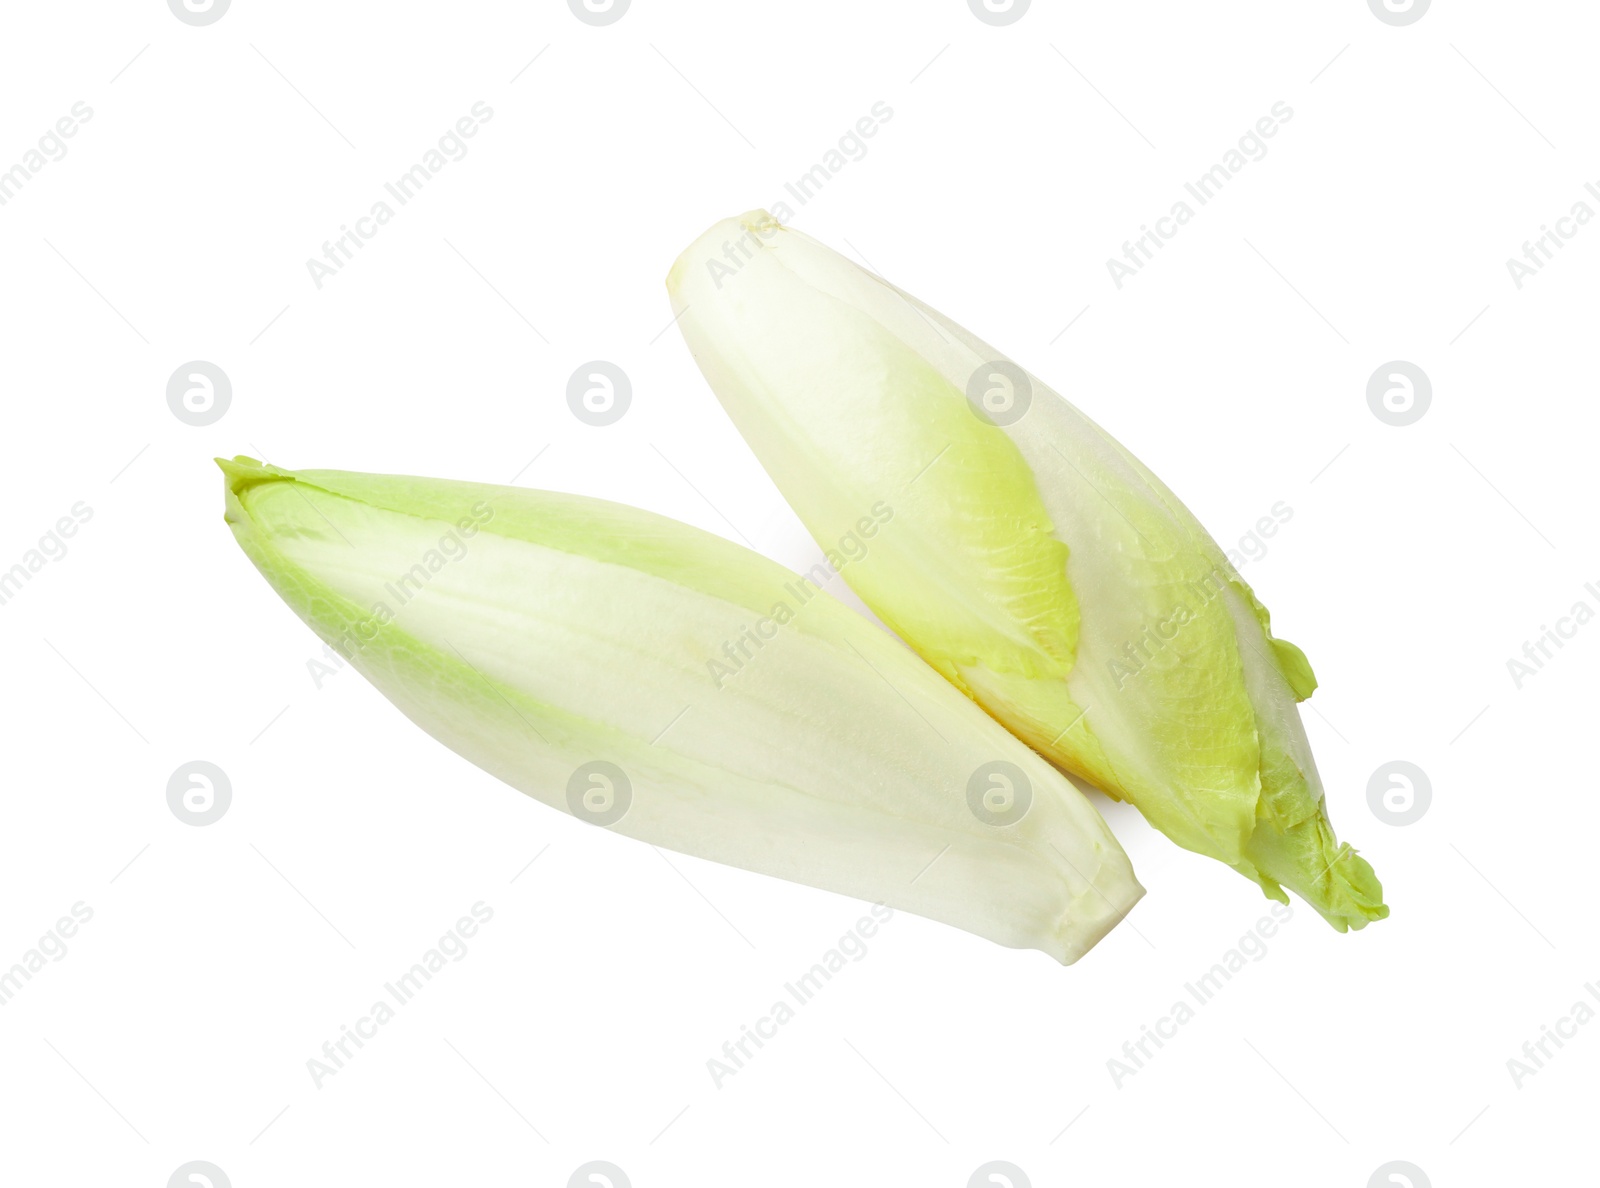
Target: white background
x=1018 y=159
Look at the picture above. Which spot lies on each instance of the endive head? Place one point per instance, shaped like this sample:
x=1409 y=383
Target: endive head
x=1034 y=561
x=737 y=712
